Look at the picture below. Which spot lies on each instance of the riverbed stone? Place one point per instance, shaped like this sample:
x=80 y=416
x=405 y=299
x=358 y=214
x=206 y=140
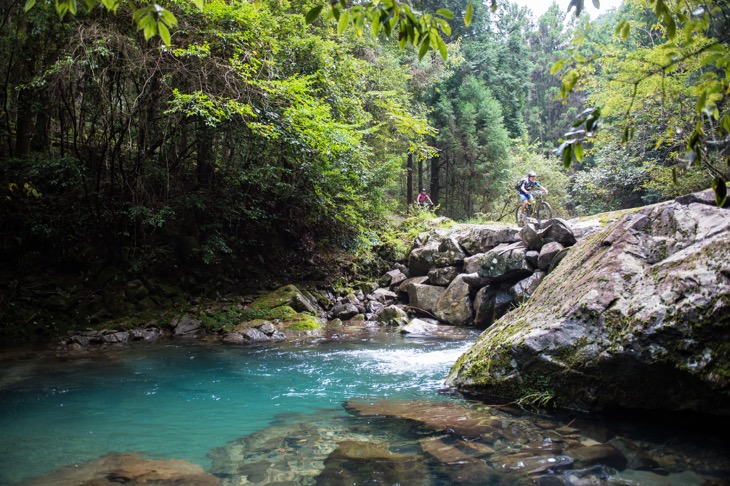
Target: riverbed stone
x=361 y=462
x=288 y=295
x=423 y=296
x=419 y=327
x=393 y=316
x=186 y=325
x=604 y=454
x=344 y=311
x=114 y=469
x=455 y=306
x=491 y=303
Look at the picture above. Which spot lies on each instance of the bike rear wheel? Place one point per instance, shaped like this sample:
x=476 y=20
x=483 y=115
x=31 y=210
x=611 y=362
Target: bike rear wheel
x=544 y=211
x=518 y=213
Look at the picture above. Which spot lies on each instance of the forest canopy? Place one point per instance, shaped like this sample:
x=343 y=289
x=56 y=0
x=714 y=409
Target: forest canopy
x=232 y=134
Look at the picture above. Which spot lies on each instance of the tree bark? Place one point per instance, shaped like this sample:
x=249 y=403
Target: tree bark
x=409 y=182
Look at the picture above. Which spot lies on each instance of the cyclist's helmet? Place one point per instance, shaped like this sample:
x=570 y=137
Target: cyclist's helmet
x=532 y=174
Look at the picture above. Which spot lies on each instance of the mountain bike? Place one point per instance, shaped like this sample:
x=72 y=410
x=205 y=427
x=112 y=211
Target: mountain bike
x=536 y=208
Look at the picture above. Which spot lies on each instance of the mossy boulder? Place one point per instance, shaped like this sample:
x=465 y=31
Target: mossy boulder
x=635 y=316
x=288 y=295
x=302 y=322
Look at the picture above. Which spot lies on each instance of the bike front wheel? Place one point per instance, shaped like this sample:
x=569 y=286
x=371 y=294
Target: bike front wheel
x=544 y=211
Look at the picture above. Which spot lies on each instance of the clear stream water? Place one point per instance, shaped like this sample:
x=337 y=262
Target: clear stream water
x=183 y=399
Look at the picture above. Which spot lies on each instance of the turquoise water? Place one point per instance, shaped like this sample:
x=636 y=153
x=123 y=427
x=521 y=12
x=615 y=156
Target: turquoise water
x=182 y=400
x=275 y=414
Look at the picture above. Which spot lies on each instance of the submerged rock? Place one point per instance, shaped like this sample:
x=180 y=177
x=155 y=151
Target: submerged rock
x=113 y=469
x=360 y=462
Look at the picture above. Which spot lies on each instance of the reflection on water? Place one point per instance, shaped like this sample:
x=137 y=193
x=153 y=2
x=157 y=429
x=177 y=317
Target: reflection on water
x=367 y=412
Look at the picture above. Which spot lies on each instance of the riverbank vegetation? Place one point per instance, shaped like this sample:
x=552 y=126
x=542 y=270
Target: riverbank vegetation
x=252 y=148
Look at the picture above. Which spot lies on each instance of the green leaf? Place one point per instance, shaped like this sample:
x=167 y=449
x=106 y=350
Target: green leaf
x=342 y=23
x=725 y=124
x=424 y=47
x=567 y=155
x=29 y=4
x=375 y=25
x=597 y=4
x=445 y=12
x=720 y=188
x=701 y=101
x=442 y=47
x=470 y=13
x=579 y=152
x=445 y=27
x=313 y=14
x=671 y=26
x=674 y=176
x=199 y=4
x=164 y=33
x=557 y=66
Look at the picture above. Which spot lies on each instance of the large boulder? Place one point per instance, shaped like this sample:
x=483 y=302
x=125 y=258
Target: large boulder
x=424 y=297
x=450 y=253
x=454 y=306
x=508 y=263
x=288 y=295
x=636 y=315
x=421 y=259
x=475 y=238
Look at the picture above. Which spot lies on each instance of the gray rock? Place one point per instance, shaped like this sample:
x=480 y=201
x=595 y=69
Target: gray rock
x=530 y=236
x=423 y=296
x=482 y=238
x=531 y=258
x=392 y=278
x=522 y=290
x=422 y=258
x=393 y=316
x=116 y=337
x=548 y=253
x=635 y=316
x=443 y=276
x=374 y=307
x=505 y=264
x=560 y=231
x=344 y=311
x=455 y=306
x=449 y=253
x=419 y=327
x=384 y=296
x=491 y=303
x=403 y=288
x=186 y=325
x=474 y=281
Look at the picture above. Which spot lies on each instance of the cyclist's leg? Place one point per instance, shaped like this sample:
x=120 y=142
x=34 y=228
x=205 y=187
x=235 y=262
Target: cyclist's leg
x=525 y=199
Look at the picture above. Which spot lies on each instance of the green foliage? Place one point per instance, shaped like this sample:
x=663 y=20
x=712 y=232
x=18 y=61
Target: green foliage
x=667 y=90
x=473 y=139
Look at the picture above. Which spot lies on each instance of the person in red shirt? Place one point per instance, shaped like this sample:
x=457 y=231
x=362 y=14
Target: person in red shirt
x=423 y=199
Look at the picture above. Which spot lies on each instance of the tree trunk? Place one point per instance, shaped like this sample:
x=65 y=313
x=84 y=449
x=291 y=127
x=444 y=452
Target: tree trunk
x=435 y=183
x=205 y=157
x=409 y=182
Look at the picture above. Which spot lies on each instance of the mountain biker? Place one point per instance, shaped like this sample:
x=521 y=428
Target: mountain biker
x=526 y=185
x=424 y=199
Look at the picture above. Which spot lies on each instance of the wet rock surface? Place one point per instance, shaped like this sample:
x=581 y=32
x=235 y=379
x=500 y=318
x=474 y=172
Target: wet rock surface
x=635 y=316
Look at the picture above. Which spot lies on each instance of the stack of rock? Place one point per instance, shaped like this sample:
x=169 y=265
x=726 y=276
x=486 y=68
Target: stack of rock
x=473 y=274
